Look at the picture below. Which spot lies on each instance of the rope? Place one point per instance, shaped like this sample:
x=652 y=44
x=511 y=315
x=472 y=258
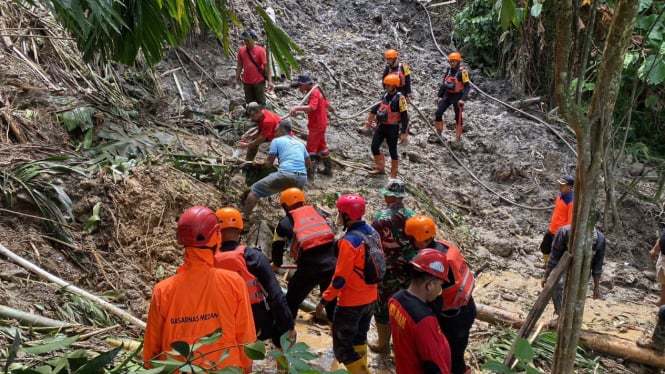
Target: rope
x=457 y=159
x=356 y=115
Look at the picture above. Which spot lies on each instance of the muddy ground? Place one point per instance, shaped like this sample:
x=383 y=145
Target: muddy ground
x=343 y=44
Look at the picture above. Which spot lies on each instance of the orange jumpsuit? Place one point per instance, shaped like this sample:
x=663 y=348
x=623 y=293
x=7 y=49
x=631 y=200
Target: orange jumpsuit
x=195 y=302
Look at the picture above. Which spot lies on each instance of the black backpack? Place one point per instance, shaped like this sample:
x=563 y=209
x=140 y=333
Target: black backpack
x=375 y=261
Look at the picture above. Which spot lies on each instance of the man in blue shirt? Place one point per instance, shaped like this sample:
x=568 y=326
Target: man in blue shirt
x=292 y=172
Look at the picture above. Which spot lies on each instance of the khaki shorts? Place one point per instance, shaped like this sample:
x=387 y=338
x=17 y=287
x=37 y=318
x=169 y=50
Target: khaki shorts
x=660 y=269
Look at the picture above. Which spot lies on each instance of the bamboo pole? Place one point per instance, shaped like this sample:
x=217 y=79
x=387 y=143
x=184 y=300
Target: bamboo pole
x=599 y=342
x=33 y=319
x=71 y=288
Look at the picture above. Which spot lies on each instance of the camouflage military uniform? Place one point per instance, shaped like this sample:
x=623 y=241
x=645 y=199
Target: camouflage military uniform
x=398 y=251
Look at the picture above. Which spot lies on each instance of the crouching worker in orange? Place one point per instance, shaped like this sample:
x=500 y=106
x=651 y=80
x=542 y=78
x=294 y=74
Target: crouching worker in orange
x=420 y=346
x=356 y=299
x=272 y=317
x=199 y=300
x=454 y=308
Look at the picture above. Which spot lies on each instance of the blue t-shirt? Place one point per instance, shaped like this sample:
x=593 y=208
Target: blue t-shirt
x=290 y=153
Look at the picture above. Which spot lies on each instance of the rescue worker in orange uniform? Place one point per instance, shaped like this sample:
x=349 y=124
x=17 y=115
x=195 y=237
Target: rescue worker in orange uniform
x=317 y=108
x=308 y=237
x=355 y=298
x=266 y=122
x=392 y=124
x=561 y=215
x=453 y=91
x=199 y=300
x=394 y=66
x=420 y=346
x=272 y=317
x=455 y=308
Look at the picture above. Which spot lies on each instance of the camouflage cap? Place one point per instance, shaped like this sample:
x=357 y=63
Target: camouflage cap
x=394 y=187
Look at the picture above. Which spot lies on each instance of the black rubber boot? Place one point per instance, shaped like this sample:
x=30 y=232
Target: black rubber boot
x=327 y=166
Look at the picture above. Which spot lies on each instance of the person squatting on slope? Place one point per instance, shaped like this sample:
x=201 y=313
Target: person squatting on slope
x=398 y=251
x=420 y=346
x=317 y=108
x=293 y=164
x=200 y=299
x=394 y=66
x=272 y=317
x=355 y=298
x=255 y=70
x=388 y=114
x=453 y=91
x=455 y=307
x=559 y=246
x=308 y=237
x=561 y=215
x=266 y=122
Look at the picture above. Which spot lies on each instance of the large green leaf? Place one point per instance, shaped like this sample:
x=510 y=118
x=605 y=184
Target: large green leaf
x=52 y=345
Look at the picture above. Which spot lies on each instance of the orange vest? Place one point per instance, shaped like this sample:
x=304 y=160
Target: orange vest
x=309 y=230
x=457 y=83
x=392 y=118
x=458 y=294
x=235 y=261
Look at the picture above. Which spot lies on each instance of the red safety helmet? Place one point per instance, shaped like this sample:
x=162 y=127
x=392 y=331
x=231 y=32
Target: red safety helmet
x=229 y=218
x=431 y=262
x=353 y=205
x=421 y=227
x=391 y=53
x=455 y=56
x=391 y=80
x=197 y=227
x=291 y=196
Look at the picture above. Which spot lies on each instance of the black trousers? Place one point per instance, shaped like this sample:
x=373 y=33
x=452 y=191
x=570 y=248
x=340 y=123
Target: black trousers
x=350 y=327
x=456 y=326
x=391 y=134
x=546 y=244
x=444 y=103
x=302 y=283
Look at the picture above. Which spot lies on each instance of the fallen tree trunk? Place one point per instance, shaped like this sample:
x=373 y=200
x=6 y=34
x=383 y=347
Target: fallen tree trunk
x=599 y=342
x=71 y=288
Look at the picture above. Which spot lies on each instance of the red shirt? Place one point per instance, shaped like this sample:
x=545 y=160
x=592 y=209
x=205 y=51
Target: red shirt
x=269 y=124
x=250 y=74
x=420 y=346
x=318 y=116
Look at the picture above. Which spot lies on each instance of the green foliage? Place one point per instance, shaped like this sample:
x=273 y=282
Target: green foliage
x=477 y=31
x=92 y=224
x=37 y=180
x=119 y=30
x=524 y=356
x=529 y=357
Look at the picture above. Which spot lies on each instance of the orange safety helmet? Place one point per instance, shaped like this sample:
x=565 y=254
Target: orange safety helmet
x=431 y=262
x=391 y=80
x=291 y=196
x=455 y=56
x=421 y=227
x=197 y=227
x=229 y=218
x=390 y=53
